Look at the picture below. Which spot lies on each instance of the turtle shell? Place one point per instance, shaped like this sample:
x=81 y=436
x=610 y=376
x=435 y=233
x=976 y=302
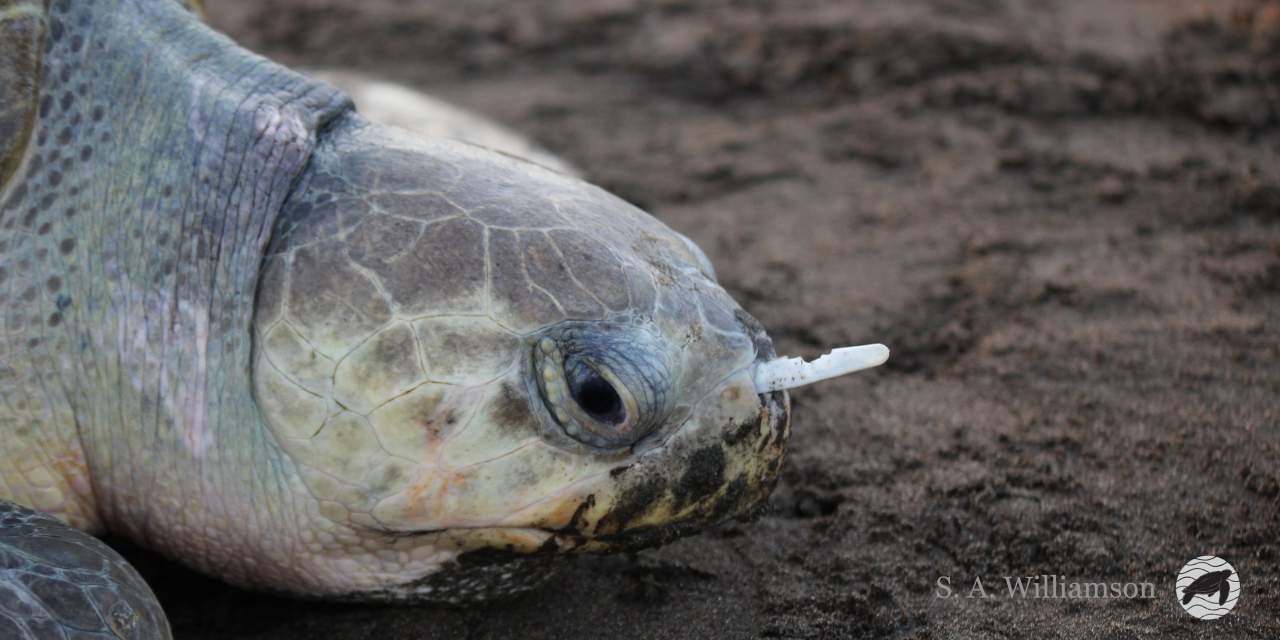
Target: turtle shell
x=22 y=29
x=58 y=582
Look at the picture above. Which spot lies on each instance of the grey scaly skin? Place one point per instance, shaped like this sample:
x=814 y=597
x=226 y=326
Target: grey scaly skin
x=306 y=353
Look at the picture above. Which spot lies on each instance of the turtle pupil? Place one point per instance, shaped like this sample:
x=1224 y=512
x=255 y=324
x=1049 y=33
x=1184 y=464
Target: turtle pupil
x=598 y=398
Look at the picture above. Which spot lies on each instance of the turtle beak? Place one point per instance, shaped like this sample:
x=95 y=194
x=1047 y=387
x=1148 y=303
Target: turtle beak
x=789 y=373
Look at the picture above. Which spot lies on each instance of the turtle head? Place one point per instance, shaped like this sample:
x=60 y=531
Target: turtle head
x=463 y=351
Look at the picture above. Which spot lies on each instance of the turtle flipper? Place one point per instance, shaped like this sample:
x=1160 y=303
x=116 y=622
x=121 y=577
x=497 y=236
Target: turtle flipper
x=1224 y=590
x=22 y=26
x=57 y=582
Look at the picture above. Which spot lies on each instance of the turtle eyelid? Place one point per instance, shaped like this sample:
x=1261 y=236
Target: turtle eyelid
x=594 y=389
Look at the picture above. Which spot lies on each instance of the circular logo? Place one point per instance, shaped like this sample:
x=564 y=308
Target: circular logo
x=1208 y=587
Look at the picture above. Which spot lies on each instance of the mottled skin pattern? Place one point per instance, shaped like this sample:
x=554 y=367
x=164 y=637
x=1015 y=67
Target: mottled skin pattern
x=56 y=582
x=304 y=353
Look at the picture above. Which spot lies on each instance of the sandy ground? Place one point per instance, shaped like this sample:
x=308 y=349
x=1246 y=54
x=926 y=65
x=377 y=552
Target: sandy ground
x=1063 y=216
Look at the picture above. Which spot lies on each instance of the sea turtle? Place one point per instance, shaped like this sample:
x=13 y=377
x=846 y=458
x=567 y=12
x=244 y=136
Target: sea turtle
x=1213 y=582
x=302 y=352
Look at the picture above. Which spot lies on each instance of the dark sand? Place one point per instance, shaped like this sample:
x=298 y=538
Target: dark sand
x=1063 y=216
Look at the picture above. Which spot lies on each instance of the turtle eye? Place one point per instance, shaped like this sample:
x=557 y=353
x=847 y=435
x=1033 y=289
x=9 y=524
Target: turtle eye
x=596 y=396
x=595 y=392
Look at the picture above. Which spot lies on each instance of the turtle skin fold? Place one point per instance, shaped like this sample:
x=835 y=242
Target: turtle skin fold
x=57 y=582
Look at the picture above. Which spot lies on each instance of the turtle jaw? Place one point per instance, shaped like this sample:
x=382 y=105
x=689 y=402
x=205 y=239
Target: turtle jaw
x=730 y=477
x=722 y=463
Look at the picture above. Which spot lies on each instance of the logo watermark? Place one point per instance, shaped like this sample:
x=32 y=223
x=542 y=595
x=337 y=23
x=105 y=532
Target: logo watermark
x=1044 y=587
x=1208 y=587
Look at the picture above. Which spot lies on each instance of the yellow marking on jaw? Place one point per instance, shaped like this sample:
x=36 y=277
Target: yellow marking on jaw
x=426 y=499
x=557 y=510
